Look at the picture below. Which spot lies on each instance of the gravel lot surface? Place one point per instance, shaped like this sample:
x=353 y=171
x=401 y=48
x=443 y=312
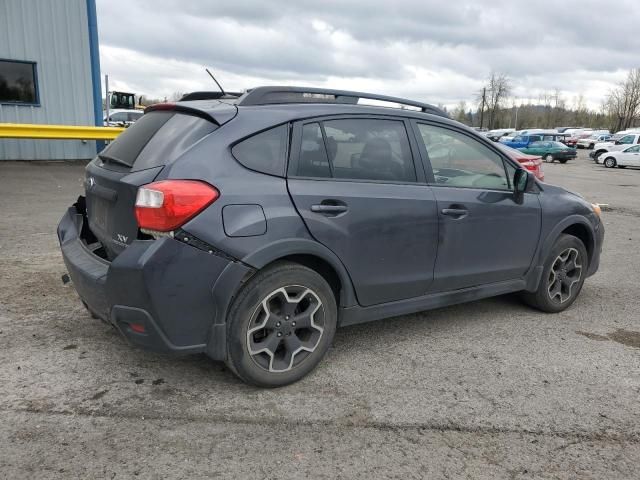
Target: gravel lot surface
x=490 y=389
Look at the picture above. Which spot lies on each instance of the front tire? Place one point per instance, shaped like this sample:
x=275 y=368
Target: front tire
x=280 y=325
x=610 y=162
x=548 y=158
x=563 y=275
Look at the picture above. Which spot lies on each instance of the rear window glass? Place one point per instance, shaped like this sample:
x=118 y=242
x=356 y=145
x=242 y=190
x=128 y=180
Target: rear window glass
x=265 y=152
x=126 y=148
x=156 y=139
x=174 y=138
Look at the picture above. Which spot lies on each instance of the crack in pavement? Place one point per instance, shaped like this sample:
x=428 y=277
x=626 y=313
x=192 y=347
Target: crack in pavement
x=602 y=436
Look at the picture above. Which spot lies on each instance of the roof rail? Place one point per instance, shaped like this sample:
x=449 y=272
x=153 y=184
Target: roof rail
x=283 y=95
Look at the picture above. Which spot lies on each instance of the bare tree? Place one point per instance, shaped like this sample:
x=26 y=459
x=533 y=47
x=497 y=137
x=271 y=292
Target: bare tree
x=623 y=102
x=493 y=96
x=460 y=112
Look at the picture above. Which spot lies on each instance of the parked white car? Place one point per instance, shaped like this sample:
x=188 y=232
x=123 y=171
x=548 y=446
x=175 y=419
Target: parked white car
x=629 y=157
x=590 y=142
x=121 y=117
x=498 y=133
x=615 y=146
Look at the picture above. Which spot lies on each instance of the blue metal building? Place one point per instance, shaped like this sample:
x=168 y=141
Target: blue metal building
x=49 y=74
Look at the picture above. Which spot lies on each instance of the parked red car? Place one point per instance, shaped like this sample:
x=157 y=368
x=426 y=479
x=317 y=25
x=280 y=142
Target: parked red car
x=533 y=163
x=572 y=141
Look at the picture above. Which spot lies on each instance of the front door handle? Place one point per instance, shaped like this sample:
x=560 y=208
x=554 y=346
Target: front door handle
x=329 y=209
x=455 y=212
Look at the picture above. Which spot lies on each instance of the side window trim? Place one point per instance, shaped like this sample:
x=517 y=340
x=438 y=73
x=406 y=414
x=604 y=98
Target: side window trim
x=427 y=162
x=296 y=146
x=326 y=148
x=422 y=150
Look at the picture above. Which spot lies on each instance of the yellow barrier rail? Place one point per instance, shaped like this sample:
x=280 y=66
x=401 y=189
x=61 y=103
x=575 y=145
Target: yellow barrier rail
x=58 y=132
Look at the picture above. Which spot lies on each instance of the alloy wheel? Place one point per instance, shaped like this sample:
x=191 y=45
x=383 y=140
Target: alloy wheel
x=565 y=273
x=285 y=328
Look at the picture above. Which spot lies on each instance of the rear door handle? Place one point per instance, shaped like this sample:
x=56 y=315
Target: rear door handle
x=455 y=212
x=329 y=209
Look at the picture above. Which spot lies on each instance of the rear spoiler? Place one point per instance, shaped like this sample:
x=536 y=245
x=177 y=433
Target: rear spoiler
x=210 y=96
x=212 y=110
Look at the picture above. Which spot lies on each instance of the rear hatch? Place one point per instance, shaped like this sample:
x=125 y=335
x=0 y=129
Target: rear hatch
x=135 y=158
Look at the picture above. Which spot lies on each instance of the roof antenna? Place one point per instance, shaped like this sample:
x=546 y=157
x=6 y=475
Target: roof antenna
x=217 y=83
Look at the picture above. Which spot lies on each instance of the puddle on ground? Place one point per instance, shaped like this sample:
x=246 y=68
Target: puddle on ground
x=626 y=337
x=593 y=336
x=622 y=336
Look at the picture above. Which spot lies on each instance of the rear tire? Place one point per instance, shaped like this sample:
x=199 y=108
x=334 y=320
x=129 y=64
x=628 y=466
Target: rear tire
x=591 y=146
x=280 y=325
x=609 y=162
x=562 y=278
x=597 y=155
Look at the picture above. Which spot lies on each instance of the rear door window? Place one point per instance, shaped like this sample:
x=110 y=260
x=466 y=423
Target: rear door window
x=313 y=160
x=357 y=149
x=369 y=149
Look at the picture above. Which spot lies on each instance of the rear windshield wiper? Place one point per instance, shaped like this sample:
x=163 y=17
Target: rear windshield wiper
x=106 y=158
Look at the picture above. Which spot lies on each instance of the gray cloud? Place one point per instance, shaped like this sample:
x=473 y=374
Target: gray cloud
x=439 y=51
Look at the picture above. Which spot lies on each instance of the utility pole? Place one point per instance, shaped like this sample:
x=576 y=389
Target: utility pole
x=106 y=96
x=484 y=94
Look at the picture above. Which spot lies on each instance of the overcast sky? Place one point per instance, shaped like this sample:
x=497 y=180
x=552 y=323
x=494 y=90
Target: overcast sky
x=431 y=50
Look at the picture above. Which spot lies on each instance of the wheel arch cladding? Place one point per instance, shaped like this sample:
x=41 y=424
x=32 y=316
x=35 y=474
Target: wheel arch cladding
x=580 y=231
x=314 y=256
x=576 y=225
x=321 y=266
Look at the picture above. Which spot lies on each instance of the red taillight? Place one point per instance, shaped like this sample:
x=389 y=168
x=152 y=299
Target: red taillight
x=164 y=206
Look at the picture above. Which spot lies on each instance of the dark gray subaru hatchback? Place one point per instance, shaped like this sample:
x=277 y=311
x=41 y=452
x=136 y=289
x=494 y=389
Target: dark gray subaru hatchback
x=250 y=227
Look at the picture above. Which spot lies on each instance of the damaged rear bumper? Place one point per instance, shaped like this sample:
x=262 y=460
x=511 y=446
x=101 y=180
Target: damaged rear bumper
x=163 y=295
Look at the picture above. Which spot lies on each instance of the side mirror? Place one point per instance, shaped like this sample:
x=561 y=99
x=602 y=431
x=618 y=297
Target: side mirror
x=520 y=181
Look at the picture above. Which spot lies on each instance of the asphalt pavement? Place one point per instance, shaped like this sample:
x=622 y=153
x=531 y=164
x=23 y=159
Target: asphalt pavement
x=490 y=389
